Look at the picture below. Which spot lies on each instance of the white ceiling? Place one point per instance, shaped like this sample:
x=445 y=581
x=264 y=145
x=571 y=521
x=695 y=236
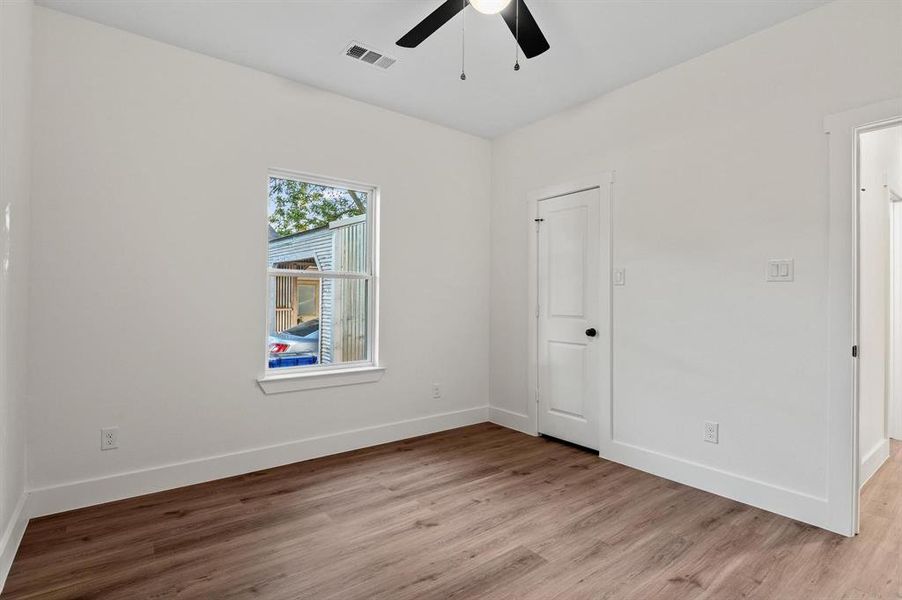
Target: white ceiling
x=596 y=46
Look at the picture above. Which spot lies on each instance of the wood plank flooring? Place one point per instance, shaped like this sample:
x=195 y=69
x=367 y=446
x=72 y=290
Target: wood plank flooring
x=478 y=512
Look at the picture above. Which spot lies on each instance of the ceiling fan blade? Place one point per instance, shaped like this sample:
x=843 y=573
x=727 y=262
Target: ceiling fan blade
x=532 y=40
x=431 y=24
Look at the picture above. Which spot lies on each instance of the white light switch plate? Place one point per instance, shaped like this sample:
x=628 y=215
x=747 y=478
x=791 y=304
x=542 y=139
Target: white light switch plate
x=780 y=269
x=619 y=276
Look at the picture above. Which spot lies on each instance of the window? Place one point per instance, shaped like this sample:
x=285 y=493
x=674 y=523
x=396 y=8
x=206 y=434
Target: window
x=320 y=267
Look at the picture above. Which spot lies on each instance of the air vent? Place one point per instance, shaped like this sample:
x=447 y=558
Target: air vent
x=371 y=57
x=356 y=51
x=385 y=62
x=362 y=53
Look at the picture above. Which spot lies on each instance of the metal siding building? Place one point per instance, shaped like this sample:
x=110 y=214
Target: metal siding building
x=315 y=244
x=350 y=296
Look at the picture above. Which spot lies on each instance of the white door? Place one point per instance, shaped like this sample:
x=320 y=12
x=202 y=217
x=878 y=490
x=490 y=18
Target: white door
x=573 y=329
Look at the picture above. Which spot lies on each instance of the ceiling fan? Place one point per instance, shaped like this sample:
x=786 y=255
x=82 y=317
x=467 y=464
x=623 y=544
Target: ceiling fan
x=519 y=20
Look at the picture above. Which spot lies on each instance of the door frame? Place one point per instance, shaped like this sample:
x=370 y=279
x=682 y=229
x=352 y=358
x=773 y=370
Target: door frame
x=843 y=455
x=601 y=181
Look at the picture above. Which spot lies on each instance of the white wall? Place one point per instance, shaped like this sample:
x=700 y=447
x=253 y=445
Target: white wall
x=881 y=160
x=15 y=172
x=149 y=235
x=721 y=163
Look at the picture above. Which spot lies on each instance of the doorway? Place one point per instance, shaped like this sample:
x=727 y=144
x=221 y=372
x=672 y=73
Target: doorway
x=879 y=176
x=844 y=446
x=895 y=318
x=573 y=314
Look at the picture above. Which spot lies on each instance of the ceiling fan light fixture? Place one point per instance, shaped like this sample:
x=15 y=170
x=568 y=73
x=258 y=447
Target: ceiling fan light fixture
x=517 y=17
x=489 y=7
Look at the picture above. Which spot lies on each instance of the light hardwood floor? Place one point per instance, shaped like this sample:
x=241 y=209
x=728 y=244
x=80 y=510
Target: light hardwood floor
x=478 y=512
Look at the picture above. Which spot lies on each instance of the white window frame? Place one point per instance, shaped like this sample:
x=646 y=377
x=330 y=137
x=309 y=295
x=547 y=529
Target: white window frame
x=286 y=379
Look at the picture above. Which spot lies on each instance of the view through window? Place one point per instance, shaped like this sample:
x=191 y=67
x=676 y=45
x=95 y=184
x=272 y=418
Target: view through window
x=320 y=274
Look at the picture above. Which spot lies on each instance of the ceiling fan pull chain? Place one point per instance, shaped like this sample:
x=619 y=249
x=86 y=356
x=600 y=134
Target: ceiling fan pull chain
x=463 y=41
x=517 y=40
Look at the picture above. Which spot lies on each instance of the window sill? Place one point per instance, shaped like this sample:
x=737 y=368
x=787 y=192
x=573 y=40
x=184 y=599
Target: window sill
x=296 y=382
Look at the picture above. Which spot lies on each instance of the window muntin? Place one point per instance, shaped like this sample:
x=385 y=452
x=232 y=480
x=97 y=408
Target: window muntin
x=320 y=272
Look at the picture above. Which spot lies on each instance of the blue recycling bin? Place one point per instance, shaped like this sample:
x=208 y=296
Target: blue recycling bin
x=276 y=362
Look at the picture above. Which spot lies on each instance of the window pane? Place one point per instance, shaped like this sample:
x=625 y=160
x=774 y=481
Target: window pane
x=316 y=227
x=332 y=331
x=313 y=227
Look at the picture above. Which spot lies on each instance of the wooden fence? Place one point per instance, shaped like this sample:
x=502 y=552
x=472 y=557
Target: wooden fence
x=285 y=311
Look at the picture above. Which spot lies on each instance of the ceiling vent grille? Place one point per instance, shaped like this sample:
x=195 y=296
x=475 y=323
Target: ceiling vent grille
x=364 y=54
x=371 y=57
x=385 y=62
x=356 y=51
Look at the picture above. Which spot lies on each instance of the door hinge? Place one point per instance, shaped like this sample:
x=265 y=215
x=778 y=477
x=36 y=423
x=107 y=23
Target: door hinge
x=538 y=222
x=855 y=351
x=537 y=396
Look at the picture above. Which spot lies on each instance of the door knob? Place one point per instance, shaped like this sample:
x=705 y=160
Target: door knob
x=591 y=332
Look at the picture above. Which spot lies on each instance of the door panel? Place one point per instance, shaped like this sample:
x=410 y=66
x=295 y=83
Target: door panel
x=566 y=374
x=572 y=262
x=567 y=261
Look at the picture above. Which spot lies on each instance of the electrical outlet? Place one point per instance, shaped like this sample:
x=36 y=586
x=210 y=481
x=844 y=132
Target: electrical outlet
x=436 y=390
x=711 y=432
x=109 y=438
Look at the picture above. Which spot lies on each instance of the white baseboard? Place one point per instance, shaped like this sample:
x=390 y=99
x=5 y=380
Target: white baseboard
x=511 y=420
x=873 y=460
x=789 y=503
x=783 y=501
x=12 y=536
x=78 y=494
